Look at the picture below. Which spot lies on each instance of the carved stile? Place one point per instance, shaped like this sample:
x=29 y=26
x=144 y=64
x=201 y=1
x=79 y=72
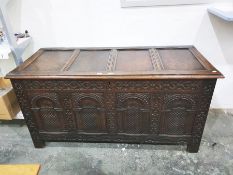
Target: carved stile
x=156 y=59
x=111 y=64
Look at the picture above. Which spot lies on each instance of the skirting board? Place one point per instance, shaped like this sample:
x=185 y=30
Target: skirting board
x=222 y=110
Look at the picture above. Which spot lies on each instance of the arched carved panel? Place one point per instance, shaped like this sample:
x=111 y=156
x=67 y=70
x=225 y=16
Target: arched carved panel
x=179 y=111
x=90 y=112
x=133 y=113
x=47 y=111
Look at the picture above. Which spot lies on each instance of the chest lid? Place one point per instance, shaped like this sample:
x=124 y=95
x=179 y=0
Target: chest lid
x=119 y=63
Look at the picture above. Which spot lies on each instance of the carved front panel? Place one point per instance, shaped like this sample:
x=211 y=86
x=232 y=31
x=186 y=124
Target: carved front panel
x=178 y=114
x=47 y=111
x=90 y=112
x=133 y=113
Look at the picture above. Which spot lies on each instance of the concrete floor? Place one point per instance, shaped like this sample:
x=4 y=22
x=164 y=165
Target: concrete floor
x=215 y=155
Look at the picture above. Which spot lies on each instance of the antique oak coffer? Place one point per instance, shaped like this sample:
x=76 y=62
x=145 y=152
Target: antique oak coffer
x=124 y=95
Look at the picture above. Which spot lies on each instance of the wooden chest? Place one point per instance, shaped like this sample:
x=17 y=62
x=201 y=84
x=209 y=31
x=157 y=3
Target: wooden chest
x=125 y=95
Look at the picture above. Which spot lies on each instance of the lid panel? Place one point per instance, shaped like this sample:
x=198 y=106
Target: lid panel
x=133 y=60
x=90 y=61
x=179 y=59
x=49 y=60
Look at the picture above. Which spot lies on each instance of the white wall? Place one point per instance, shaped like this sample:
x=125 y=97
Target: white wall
x=83 y=23
x=215 y=41
x=105 y=23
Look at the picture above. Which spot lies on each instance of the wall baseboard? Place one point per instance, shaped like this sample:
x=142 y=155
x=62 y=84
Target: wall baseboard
x=222 y=110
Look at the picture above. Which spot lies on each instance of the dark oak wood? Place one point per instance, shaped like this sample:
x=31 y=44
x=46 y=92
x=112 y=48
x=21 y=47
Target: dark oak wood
x=134 y=95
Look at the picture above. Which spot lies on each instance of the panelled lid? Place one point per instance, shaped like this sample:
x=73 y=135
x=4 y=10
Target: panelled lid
x=119 y=63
